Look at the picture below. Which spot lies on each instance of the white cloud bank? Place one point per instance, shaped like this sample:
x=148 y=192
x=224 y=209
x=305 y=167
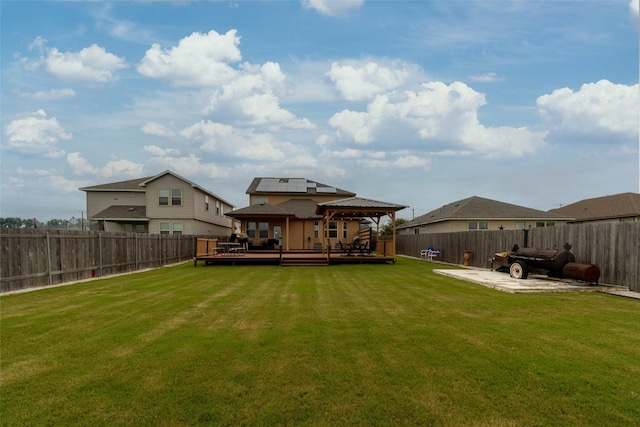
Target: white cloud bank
x=91 y=65
x=441 y=116
x=198 y=60
x=601 y=108
x=36 y=134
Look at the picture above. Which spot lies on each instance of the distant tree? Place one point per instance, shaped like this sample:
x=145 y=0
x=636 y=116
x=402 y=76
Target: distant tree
x=387 y=229
x=14 y=222
x=56 y=223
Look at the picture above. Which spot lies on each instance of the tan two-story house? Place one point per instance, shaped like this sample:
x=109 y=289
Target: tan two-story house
x=162 y=204
x=280 y=204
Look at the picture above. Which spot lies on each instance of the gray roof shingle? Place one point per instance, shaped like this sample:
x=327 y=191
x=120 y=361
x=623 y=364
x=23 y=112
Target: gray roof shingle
x=479 y=208
x=622 y=205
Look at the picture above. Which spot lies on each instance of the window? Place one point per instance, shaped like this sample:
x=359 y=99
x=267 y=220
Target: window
x=177 y=228
x=316 y=230
x=478 y=225
x=217 y=207
x=520 y=226
x=135 y=228
x=259 y=200
x=251 y=230
x=163 y=197
x=206 y=203
x=333 y=230
x=264 y=230
x=176 y=197
x=164 y=228
x=344 y=230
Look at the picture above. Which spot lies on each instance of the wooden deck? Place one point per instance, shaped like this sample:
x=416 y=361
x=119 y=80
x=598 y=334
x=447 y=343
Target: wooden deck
x=291 y=258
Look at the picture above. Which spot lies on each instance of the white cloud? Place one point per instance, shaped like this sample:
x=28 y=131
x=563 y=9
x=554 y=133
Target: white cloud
x=50 y=95
x=486 y=78
x=80 y=165
x=121 y=168
x=332 y=7
x=192 y=165
x=440 y=114
x=633 y=10
x=114 y=168
x=160 y=152
x=158 y=129
x=92 y=64
x=251 y=99
x=198 y=60
x=239 y=143
x=601 y=107
x=355 y=125
x=36 y=135
x=360 y=83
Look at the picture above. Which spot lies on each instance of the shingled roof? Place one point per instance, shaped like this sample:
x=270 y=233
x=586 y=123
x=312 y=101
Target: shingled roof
x=479 y=208
x=624 y=205
x=297 y=186
x=300 y=208
x=114 y=213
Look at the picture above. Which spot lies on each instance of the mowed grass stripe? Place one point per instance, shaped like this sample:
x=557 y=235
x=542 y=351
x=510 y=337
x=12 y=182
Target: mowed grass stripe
x=340 y=345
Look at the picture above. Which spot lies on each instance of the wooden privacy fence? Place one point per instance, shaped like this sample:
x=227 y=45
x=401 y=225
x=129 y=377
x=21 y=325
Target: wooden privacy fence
x=614 y=248
x=34 y=257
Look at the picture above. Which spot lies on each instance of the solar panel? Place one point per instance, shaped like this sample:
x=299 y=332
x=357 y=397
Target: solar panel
x=282 y=185
x=326 y=190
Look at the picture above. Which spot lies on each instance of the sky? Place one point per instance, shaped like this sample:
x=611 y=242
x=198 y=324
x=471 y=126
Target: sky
x=419 y=103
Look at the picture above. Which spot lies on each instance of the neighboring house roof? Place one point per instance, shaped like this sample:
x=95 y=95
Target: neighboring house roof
x=297 y=186
x=479 y=208
x=622 y=205
x=138 y=185
x=129 y=185
x=114 y=213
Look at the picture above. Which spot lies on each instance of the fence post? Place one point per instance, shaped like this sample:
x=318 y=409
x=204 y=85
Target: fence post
x=100 y=253
x=49 y=259
x=136 y=249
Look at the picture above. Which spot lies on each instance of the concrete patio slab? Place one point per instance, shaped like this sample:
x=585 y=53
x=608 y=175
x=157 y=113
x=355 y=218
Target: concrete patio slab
x=535 y=283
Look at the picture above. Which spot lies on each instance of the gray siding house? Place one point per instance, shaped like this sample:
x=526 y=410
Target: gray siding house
x=162 y=204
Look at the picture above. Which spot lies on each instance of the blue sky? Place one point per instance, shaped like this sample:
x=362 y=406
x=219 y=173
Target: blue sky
x=419 y=103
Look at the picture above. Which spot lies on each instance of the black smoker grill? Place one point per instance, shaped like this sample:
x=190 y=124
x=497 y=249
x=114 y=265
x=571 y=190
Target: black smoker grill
x=519 y=262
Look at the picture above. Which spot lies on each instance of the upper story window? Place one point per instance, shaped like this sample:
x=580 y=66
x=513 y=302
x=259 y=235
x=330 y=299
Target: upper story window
x=206 y=203
x=175 y=200
x=258 y=200
x=176 y=197
x=163 y=197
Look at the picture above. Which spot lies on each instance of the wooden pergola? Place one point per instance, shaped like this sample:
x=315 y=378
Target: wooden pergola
x=358 y=207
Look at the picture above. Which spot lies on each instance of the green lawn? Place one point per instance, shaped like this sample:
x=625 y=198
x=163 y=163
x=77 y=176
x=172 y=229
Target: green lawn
x=340 y=345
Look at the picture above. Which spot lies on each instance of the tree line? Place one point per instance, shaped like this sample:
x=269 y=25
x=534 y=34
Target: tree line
x=72 y=223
